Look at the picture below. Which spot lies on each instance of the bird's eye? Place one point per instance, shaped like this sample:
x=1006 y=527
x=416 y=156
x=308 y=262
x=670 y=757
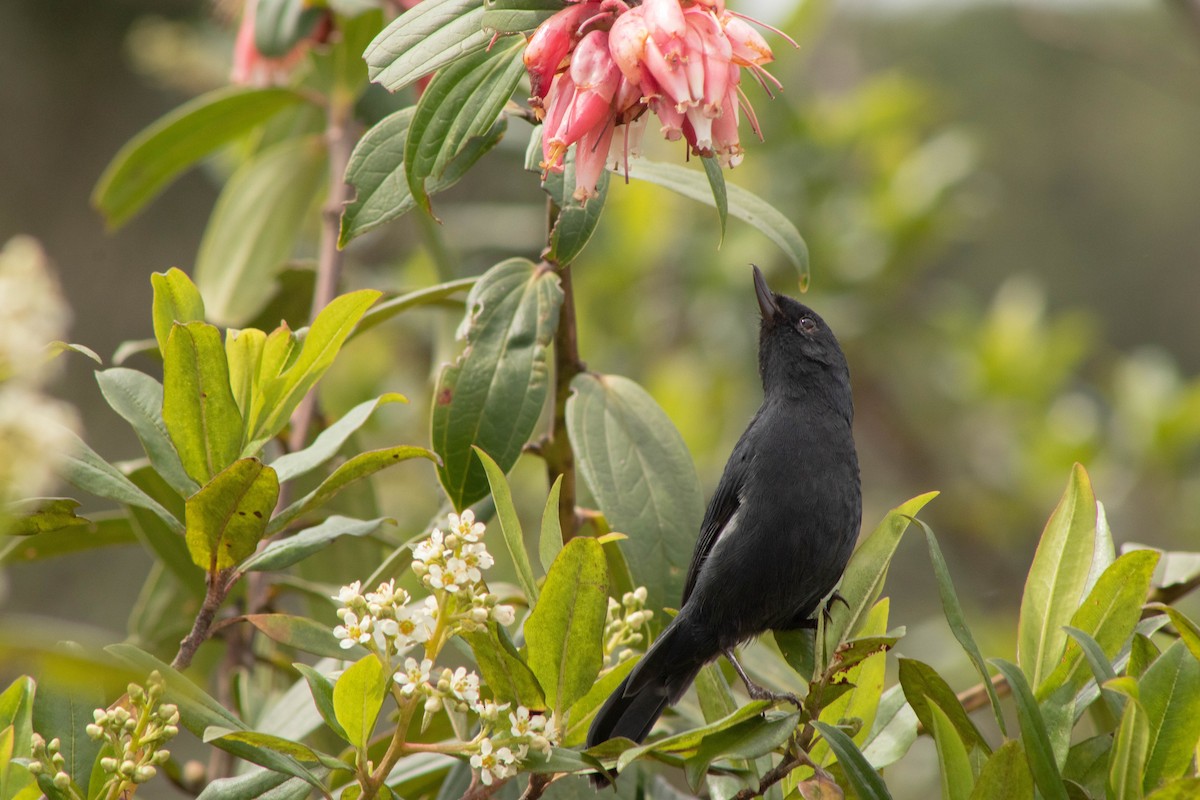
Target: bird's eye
x=807 y=324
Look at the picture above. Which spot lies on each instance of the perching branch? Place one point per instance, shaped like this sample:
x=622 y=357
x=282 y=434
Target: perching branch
x=217 y=586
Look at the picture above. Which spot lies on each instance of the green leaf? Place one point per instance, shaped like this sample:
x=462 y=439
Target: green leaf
x=957 y=778
x=42 y=515
x=747 y=740
x=518 y=16
x=282 y=390
x=56 y=348
x=1131 y=746
x=862 y=777
x=1004 y=775
x=584 y=709
x=639 y=470
x=894 y=729
x=689 y=741
x=254 y=226
x=1142 y=652
x=1170 y=697
x=924 y=689
x=198 y=407
x=510 y=680
x=1182 y=789
x=228 y=516
x=376 y=171
x=357 y=698
x=138 y=398
x=257 y=784
x=330 y=440
x=321 y=689
x=282 y=553
x=16 y=735
x=63 y=710
x=167 y=546
x=1101 y=668
x=564 y=632
x=176 y=299
x=361 y=466
x=301 y=752
x=1057 y=579
x=863 y=579
x=958 y=622
x=1108 y=614
x=576 y=220
x=742 y=204
x=103 y=530
x=461 y=103
x=1189 y=632
x=85 y=469
x=510 y=525
x=492 y=395
x=244 y=354
x=424 y=39
x=1087 y=762
x=716 y=180
x=1036 y=740
x=153 y=158
x=550 y=541
x=439 y=294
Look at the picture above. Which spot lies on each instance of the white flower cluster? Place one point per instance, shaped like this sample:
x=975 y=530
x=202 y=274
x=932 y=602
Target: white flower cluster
x=624 y=625
x=454 y=562
x=385 y=620
x=34 y=429
x=526 y=732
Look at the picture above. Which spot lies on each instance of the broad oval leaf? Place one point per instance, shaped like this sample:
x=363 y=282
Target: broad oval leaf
x=639 y=470
x=138 y=398
x=492 y=395
x=254 y=226
x=894 y=730
x=198 y=407
x=1057 y=579
x=376 y=171
x=424 y=39
x=153 y=158
x=228 y=516
x=1170 y=697
x=925 y=689
x=358 y=697
x=509 y=678
x=565 y=631
x=742 y=204
x=461 y=103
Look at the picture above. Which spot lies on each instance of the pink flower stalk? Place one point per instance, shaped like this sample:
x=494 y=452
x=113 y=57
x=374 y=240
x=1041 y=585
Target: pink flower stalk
x=597 y=66
x=252 y=68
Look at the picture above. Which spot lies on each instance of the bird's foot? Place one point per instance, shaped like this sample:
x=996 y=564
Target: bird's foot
x=758 y=692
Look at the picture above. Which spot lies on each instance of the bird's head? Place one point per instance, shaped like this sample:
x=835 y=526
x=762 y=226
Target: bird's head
x=797 y=352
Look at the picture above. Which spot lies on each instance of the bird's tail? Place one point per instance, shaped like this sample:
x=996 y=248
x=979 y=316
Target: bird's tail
x=659 y=680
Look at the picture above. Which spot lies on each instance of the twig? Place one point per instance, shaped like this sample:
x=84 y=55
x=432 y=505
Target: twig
x=217 y=586
x=538 y=782
x=556 y=449
x=482 y=791
x=773 y=776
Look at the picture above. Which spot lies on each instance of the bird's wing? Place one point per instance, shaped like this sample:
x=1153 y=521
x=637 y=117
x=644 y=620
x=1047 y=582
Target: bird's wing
x=721 y=508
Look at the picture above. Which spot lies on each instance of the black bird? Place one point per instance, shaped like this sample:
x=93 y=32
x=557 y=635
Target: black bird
x=778 y=531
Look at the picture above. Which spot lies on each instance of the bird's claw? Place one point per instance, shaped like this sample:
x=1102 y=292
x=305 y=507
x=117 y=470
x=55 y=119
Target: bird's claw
x=757 y=692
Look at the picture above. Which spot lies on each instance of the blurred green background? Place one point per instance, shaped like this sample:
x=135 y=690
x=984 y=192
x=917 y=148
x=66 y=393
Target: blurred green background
x=1001 y=206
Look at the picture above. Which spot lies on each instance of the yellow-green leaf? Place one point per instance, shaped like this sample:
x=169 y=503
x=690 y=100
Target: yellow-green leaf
x=358 y=697
x=198 y=406
x=226 y=519
x=176 y=299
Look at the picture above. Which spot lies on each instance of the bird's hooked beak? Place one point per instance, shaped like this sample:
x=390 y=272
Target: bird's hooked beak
x=766 y=298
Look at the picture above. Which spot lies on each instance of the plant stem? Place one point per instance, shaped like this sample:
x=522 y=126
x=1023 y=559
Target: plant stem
x=217 y=586
x=557 y=450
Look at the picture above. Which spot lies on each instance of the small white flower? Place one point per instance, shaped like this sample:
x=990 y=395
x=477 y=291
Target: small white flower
x=430 y=550
x=493 y=766
x=353 y=631
x=466 y=526
x=525 y=725
x=414 y=676
x=349 y=594
x=504 y=614
x=461 y=573
x=465 y=686
x=415 y=623
x=439 y=578
x=477 y=558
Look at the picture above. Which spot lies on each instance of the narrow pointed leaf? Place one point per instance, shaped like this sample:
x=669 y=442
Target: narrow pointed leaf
x=1189 y=631
x=550 y=541
x=321 y=689
x=424 y=39
x=509 y=678
x=1131 y=746
x=742 y=204
x=430 y=295
x=861 y=775
x=492 y=395
x=138 y=398
x=639 y=470
x=358 y=697
x=953 y=612
x=228 y=516
x=282 y=553
x=330 y=441
x=42 y=515
x=563 y=634
x=583 y=711
x=510 y=526
x=254 y=226
x=85 y=469
x=957 y=778
x=1057 y=579
x=716 y=180
x=687 y=742
x=198 y=407
x=518 y=16
x=894 y=730
x=301 y=752
x=102 y=530
x=1038 y=750
x=1170 y=697
x=153 y=158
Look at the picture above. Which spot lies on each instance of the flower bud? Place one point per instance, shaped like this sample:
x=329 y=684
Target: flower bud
x=160 y=757
x=35 y=768
x=54 y=745
x=100 y=716
x=143 y=774
x=109 y=765
x=127 y=768
x=170 y=731
x=62 y=781
x=94 y=731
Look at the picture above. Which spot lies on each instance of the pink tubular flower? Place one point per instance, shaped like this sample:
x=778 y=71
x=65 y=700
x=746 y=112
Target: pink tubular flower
x=596 y=67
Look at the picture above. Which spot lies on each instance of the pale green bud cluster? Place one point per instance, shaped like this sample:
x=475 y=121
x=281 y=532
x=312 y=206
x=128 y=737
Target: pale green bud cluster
x=624 y=627
x=134 y=734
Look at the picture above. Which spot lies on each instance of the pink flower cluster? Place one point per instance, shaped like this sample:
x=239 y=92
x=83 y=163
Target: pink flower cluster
x=597 y=66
